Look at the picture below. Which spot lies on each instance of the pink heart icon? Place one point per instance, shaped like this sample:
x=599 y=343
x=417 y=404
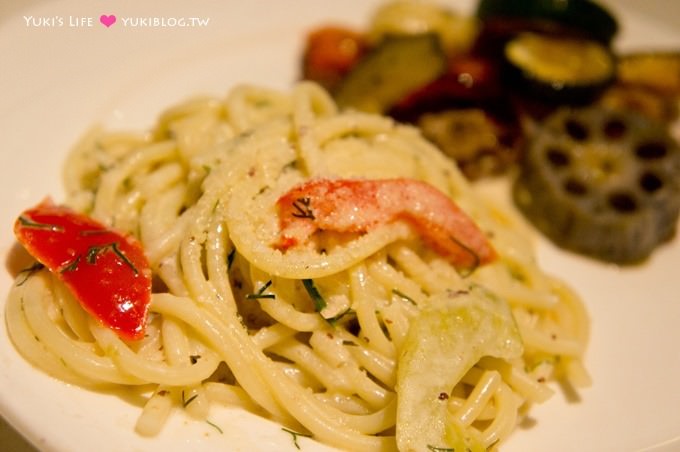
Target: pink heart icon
x=107 y=20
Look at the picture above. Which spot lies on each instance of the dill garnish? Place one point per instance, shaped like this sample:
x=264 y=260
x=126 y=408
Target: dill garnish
x=302 y=205
x=314 y=294
x=441 y=449
x=475 y=258
x=97 y=250
x=71 y=266
x=28 y=272
x=215 y=426
x=27 y=222
x=400 y=294
x=186 y=402
x=295 y=436
x=260 y=293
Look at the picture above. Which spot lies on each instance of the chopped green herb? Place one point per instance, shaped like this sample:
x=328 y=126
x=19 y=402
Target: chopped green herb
x=95 y=251
x=214 y=426
x=186 y=402
x=28 y=272
x=470 y=270
x=260 y=293
x=27 y=222
x=333 y=320
x=400 y=294
x=314 y=294
x=71 y=266
x=302 y=205
x=295 y=436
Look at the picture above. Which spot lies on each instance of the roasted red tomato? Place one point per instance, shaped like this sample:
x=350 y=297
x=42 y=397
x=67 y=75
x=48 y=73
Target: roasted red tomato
x=469 y=81
x=330 y=53
x=106 y=271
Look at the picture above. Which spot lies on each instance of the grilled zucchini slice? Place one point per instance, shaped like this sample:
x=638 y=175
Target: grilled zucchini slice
x=559 y=69
x=393 y=69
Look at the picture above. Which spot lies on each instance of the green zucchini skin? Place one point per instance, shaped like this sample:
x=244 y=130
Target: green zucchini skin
x=561 y=84
x=582 y=17
x=397 y=66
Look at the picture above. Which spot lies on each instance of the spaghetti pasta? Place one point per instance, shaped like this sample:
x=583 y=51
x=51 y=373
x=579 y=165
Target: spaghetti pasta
x=235 y=320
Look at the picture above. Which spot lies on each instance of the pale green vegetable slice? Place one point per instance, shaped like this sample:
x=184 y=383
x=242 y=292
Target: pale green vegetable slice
x=444 y=341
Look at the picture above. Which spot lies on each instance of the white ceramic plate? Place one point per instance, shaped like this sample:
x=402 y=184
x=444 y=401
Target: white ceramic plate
x=56 y=81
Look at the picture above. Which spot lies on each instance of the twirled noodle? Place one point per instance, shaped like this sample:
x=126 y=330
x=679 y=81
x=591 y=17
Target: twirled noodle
x=231 y=322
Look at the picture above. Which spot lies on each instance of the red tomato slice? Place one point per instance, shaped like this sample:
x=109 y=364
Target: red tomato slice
x=105 y=270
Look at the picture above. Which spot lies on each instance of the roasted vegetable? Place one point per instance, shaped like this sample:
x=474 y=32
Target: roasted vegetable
x=565 y=17
x=330 y=53
x=647 y=82
x=641 y=99
x=480 y=144
x=467 y=81
x=390 y=71
x=658 y=71
x=456 y=32
x=559 y=69
x=602 y=183
x=467 y=114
